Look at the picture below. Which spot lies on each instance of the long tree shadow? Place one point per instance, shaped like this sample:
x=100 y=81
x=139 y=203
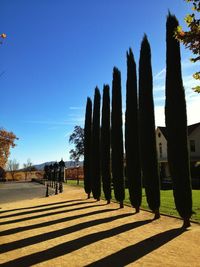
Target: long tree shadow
x=50 y=214
x=73 y=245
x=52 y=222
x=134 y=252
x=43 y=205
x=45 y=209
x=61 y=232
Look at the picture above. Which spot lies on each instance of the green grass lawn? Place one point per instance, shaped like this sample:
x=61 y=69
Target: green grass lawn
x=167 y=201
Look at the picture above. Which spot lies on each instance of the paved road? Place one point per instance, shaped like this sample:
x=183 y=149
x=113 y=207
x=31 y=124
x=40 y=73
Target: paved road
x=15 y=191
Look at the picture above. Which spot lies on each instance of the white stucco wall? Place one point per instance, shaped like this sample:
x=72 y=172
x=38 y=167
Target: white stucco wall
x=163 y=141
x=195 y=135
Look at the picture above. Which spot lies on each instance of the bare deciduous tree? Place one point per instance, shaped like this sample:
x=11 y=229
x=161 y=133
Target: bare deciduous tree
x=28 y=168
x=12 y=167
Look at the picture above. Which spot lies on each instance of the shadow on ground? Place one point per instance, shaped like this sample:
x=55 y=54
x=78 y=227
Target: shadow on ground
x=135 y=252
x=119 y=258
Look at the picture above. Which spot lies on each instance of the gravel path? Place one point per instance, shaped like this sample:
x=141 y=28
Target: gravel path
x=70 y=230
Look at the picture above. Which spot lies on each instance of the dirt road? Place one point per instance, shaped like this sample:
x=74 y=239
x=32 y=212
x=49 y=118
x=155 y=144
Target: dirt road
x=16 y=191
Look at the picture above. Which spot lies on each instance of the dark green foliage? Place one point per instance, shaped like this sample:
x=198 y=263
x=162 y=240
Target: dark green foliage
x=2 y=174
x=46 y=172
x=87 y=146
x=55 y=169
x=51 y=172
x=96 y=181
x=176 y=123
x=117 y=137
x=133 y=170
x=105 y=143
x=147 y=128
x=77 y=138
x=61 y=170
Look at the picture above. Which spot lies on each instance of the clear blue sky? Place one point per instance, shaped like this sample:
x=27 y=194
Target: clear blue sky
x=57 y=51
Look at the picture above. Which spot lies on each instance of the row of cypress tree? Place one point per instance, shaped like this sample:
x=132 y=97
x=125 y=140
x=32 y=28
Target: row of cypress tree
x=104 y=144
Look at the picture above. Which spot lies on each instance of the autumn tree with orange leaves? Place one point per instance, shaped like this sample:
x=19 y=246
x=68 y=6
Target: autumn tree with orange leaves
x=2 y=36
x=7 y=140
x=191 y=38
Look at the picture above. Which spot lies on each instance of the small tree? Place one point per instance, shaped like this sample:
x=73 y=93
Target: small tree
x=12 y=167
x=147 y=130
x=77 y=138
x=117 y=138
x=87 y=147
x=176 y=123
x=133 y=169
x=96 y=179
x=105 y=144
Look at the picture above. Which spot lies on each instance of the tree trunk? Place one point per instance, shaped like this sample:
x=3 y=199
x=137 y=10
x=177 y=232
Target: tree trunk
x=147 y=129
x=105 y=144
x=176 y=124
x=133 y=168
x=117 y=138
x=96 y=179
x=87 y=147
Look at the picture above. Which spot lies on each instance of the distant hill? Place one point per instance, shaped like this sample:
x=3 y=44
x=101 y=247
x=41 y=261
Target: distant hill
x=68 y=164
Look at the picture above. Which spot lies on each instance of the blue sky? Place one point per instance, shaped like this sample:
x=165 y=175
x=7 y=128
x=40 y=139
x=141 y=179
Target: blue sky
x=57 y=51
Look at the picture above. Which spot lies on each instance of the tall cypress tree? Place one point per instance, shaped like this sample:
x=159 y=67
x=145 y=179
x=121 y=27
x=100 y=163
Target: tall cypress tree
x=105 y=144
x=87 y=147
x=96 y=181
x=117 y=138
x=133 y=169
x=147 y=129
x=176 y=123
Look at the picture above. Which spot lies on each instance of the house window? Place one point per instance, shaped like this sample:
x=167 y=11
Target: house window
x=160 y=150
x=192 y=145
x=159 y=134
